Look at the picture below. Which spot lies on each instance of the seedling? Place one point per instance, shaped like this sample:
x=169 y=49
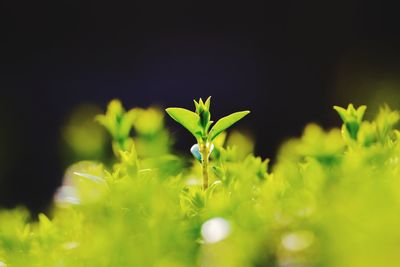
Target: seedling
x=352 y=119
x=118 y=122
x=198 y=123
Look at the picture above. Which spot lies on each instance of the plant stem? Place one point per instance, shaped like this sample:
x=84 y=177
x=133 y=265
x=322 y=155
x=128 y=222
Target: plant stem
x=204 y=150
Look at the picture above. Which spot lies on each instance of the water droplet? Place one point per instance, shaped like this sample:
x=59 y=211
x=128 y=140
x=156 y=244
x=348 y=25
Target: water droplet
x=66 y=194
x=196 y=152
x=297 y=241
x=215 y=230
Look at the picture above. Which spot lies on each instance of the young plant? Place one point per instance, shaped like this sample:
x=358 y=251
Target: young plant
x=352 y=119
x=198 y=123
x=118 y=122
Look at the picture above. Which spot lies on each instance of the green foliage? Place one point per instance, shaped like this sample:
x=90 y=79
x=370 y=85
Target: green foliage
x=331 y=199
x=187 y=119
x=226 y=122
x=351 y=118
x=151 y=139
x=84 y=137
x=199 y=124
x=118 y=122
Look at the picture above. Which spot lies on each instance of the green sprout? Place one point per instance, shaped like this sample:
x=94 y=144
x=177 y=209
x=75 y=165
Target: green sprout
x=351 y=118
x=118 y=122
x=198 y=123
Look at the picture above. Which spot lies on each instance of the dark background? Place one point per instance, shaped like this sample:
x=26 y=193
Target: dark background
x=286 y=61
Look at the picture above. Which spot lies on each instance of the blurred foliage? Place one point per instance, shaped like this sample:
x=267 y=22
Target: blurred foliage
x=332 y=199
x=84 y=138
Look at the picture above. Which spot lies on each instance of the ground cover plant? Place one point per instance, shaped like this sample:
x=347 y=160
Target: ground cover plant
x=331 y=199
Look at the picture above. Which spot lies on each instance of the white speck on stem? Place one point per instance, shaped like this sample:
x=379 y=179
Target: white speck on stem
x=215 y=230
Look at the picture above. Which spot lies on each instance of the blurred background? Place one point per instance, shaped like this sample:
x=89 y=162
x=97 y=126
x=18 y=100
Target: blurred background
x=286 y=61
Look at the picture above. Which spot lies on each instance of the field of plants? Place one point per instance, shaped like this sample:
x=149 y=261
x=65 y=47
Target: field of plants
x=332 y=197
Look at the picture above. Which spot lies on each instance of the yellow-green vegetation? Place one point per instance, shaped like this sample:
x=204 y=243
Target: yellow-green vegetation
x=331 y=199
x=198 y=123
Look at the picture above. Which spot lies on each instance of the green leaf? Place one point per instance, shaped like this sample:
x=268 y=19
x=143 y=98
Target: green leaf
x=360 y=112
x=207 y=103
x=127 y=122
x=226 y=122
x=187 y=119
x=196 y=105
x=342 y=112
x=351 y=118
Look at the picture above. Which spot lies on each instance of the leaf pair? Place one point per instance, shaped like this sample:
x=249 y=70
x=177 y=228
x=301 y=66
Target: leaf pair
x=116 y=120
x=198 y=122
